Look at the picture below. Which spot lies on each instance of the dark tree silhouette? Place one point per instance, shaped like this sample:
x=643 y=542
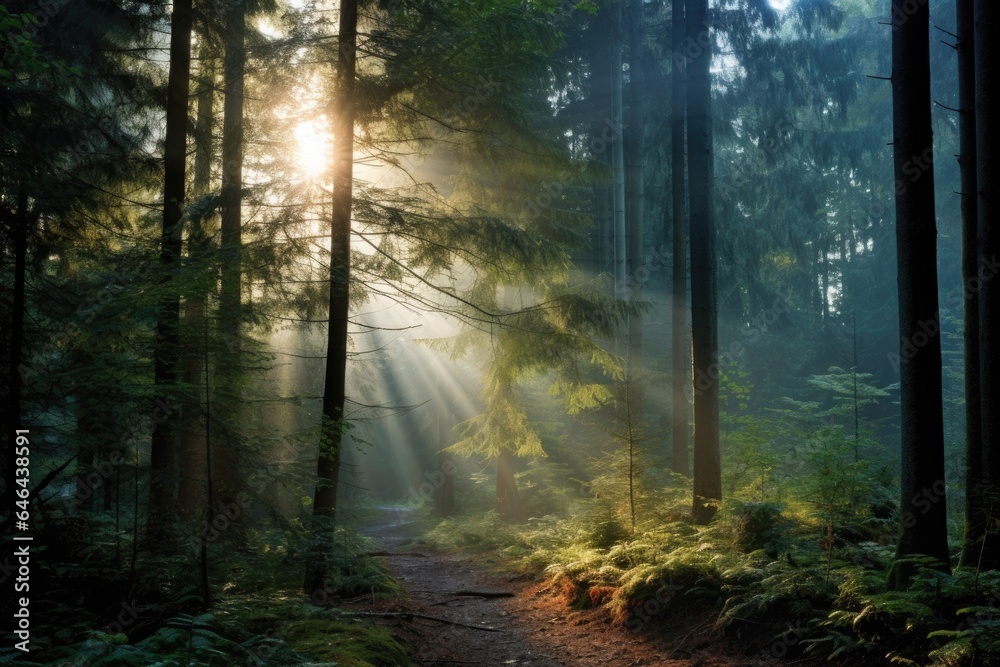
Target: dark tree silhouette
x=970 y=269
x=989 y=293
x=225 y=460
x=704 y=314
x=680 y=352
x=923 y=521
x=166 y=353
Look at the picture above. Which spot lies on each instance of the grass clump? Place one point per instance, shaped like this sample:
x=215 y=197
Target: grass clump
x=344 y=643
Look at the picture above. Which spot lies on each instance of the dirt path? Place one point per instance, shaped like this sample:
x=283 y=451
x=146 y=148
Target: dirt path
x=533 y=627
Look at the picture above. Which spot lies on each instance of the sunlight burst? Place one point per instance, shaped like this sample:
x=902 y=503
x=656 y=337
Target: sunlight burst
x=313 y=148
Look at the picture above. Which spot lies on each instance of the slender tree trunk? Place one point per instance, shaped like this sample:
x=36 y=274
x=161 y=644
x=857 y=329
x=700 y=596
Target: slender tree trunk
x=635 y=200
x=508 y=504
x=618 y=157
x=340 y=258
x=974 y=521
x=334 y=395
x=192 y=456
x=704 y=310
x=824 y=281
x=601 y=138
x=165 y=355
x=225 y=459
x=923 y=521
x=989 y=294
x=680 y=350
x=444 y=497
x=87 y=435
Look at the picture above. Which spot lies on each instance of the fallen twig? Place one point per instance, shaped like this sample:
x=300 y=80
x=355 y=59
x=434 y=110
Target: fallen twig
x=485 y=594
x=410 y=615
x=388 y=553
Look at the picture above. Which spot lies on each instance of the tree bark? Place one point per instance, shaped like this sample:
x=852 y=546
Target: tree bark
x=974 y=521
x=989 y=293
x=618 y=157
x=923 y=521
x=192 y=452
x=165 y=355
x=680 y=350
x=334 y=395
x=340 y=265
x=225 y=455
x=600 y=97
x=444 y=497
x=508 y=503
x=635 y=202
x=704 y=310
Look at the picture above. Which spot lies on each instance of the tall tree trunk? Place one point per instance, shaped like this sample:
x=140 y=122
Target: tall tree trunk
x=165 y=355
x=328 y=465
x=989 y=294
x=508 y=504
x=704 y=310
x=192 y=452
x=600 y=142
x=824 y=282
x=618 y=157
x=974 y=521
x=225 y=458
x=680 y=350
x=444 y=479
x=634 y=197
x=923 y=521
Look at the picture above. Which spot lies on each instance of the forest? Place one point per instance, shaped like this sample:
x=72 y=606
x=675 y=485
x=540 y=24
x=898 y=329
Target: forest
x=388 y=333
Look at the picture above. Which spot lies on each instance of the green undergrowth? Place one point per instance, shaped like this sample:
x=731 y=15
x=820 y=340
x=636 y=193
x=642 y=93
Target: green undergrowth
x=266 y=633
x=768 y=574
x=259 y=616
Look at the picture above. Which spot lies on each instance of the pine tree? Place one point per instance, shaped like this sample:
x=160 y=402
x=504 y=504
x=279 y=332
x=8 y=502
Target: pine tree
x=989 y=293
x=226 y=460
x=704 y=315
x=192 y=452
x=923 y=521
x=635 y=155
x=680 y=352
x=166 y=353
x=334 y=394
x=966 y=49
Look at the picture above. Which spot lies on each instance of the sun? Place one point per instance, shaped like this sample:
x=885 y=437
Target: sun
x=312 y=149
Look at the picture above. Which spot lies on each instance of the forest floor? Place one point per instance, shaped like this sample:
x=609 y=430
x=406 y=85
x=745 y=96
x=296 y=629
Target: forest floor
x=532 y=626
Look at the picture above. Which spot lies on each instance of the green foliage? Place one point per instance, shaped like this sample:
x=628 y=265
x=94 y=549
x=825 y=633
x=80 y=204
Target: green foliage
x=181 y=641
x=352 y=645
x=760 y=526
x=752 y=462
x=604 y=527
x=760 y=568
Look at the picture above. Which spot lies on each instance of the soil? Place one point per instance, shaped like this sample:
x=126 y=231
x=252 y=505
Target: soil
x=533 y=626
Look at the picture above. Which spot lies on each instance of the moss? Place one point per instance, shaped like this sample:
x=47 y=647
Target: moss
x=348 y=644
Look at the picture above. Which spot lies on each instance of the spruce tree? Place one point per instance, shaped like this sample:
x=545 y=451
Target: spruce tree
x=989 y=292
x=923 y=520
x=166 y=353
x=704 y=315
